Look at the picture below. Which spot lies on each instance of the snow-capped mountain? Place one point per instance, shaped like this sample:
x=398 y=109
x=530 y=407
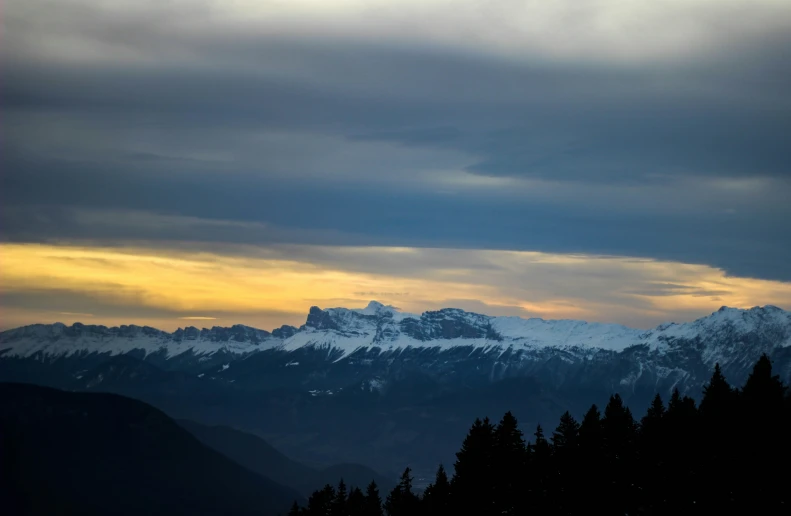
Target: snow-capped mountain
x=381 y=387
x=506 y=346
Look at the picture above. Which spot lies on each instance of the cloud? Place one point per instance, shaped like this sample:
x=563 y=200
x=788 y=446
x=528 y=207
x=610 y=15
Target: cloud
x=655 y=131
x=277 y=284
x=591 y=30
x=374 y=295
x=39 y=302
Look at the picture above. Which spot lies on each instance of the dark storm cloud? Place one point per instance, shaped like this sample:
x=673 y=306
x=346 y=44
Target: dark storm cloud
x=270 y=139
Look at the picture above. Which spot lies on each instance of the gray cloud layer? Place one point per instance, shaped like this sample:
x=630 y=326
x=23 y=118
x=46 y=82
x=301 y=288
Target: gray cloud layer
x=141 y=129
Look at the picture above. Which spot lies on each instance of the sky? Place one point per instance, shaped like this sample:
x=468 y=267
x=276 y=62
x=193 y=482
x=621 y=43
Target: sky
x=209 y=162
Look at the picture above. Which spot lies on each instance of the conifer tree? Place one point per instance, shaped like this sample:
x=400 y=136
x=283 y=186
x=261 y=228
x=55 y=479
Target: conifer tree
x=566 y=435
x=764 y=390
x=436 y=498
x=618 y=438
x=321 y=502
x=541 y=448
x=675 y=400
x=339 y=501
x=718 y=417
x=355 y=503
x=373 y=501
x=472 y=485
x=591 y=455
x=763 y=423
x=651 y=424
x=618 y=427
x=682 y=454
x=295 y=510
x=718 y=397
x=540 y=472
x=402 y=501
x=508 y=466
x=590 y=434
x=652 y=452
x=652 y=438
x=565 y=445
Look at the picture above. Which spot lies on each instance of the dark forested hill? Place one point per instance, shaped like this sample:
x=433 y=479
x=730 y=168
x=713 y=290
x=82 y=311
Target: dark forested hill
x=259 y=456
x=99 y=454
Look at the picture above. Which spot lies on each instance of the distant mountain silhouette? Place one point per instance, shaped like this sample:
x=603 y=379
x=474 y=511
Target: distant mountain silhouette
x=259 y=456
x=100 y=454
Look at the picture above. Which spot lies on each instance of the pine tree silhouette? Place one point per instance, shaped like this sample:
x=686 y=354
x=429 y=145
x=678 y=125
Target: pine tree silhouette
x=321 y=502
x=295 y=510
x=373 y=501
x=590 y=434
x=565 y=445
x=472 y=485
x=652 y=453
x=762 y=423
x=718 y=397
x=651 y=423
x=566 y=435
x=436 y=498
x=618 y=433
x=355 y=503
x=683 y=455
x=652 y=438
x=763 y=390
x=541 y=449
x=508 y=466
x=591 y=455
x=402 y=501
x=540 y=472
x=339 y=501
x=719 y=420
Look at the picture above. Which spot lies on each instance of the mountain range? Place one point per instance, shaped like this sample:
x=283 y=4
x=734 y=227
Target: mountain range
x=385 y=388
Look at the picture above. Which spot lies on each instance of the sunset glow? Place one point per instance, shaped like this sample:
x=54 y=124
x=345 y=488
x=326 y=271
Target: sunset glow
x=170 y=288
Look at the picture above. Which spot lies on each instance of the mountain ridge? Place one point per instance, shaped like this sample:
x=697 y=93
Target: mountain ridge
x=376 y=325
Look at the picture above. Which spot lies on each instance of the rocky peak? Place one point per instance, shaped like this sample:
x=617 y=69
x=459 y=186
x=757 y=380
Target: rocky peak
x=320 y=320
x=284 y=331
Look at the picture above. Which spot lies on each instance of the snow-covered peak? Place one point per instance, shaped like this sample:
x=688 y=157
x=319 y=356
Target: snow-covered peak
x=379 y=310
x=725 y=335
x=729 y=334
x=730 y=320
x=354 y=320
x=375 y=308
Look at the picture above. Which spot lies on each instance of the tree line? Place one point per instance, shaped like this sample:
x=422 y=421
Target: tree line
x=728 y=454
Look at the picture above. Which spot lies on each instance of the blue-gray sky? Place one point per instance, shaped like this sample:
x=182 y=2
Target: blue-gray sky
x=658 y=131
